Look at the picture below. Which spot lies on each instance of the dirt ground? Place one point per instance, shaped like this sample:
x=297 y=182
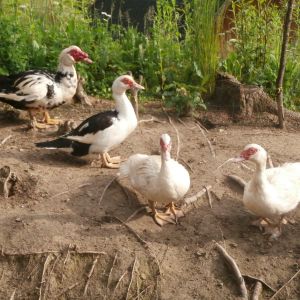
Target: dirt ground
x=58 y=242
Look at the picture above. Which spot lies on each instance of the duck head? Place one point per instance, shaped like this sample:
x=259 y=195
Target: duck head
x=72 y=55
x=254 y=153
x=124 y=83
x=165 y=146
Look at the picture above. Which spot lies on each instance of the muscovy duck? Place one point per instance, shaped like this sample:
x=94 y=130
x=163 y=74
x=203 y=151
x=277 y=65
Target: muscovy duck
x=271 y=193
x=38 y=90
x=104 y=131
x=160 y=179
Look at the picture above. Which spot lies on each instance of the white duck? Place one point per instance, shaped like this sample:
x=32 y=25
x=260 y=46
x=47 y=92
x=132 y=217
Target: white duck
x=271 y=193
x=160 y=179
x=38 y=90
x=104 y=131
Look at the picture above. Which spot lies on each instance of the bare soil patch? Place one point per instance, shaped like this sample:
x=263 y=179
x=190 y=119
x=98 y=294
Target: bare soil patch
x=58 y=243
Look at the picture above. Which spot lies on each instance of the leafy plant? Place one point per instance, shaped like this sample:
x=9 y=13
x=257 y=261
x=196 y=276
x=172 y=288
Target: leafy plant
x=255 y=48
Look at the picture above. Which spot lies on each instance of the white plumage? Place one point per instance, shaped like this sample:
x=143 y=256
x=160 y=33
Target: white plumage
x=158 y=178
x=104 y=131
x=271 y=193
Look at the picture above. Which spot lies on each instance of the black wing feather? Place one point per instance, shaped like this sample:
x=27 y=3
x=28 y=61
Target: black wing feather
x=95 y=123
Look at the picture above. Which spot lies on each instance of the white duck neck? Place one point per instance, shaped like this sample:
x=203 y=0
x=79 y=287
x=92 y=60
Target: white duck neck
x=66 y=69
x=165 y=157
x=259 y=173
x=123 y=106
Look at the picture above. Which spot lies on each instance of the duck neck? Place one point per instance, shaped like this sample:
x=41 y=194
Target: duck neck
x=259 y=174
x=165 y=158
x=123 y=106
x=66 y=69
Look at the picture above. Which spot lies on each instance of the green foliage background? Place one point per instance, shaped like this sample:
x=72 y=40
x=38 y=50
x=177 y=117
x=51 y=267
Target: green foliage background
x=178 y=56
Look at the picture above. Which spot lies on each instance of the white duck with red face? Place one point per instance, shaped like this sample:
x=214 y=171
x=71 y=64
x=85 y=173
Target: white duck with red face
x=38 y=90
x=103 y=131
x=271 y=193
x=158 y=178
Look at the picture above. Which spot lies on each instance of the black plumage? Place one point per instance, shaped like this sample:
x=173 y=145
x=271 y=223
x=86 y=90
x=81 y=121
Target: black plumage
x=91 y=125
x=95 y=123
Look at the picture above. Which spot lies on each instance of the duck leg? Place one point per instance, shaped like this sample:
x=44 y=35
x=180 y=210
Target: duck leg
x=177 y=213
x=274 y=229
x=107 y=164
x=261 y=223
x=47 y=119
x=113 y=160
x=160 y=218
x=33 y=121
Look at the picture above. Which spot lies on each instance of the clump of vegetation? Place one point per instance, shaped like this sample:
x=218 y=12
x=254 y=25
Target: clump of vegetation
x=255 y=48
x=178 y=56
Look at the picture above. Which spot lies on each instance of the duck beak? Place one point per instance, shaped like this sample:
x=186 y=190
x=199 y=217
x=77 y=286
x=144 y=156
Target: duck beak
x=137 y=86
x=237 y=159
x=88 y=60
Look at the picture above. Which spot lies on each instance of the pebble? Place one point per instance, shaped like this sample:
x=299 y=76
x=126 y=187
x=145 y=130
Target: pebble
x=18 y=220
x=200 y=252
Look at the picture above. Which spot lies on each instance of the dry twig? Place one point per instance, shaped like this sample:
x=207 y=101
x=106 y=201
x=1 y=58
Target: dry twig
x=66 y=290
x=131 y=278
x=90 y=275
x=195 y=197
x=234 y=267
x=52 y=251
x=201 y=125
x=105 y=189
x=5 y=139
x=12 y=297
x=147 y=247
x=208 y=196
x=49 y=275
x=142 y=292
x=135 y=213
x=257 y=291
x=212 y=151
x=67 y=255
x=118 y=283
x=260 y=280
x=65 y=192
x=153 y=119
x=132 y=231
x=110 y=272
x=292 y=278
x=47 y=261
x=191 y=128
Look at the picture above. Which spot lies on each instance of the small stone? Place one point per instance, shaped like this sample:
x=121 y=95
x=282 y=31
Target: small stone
x=18 y=220
x=220 y=284
x=233 y=245
x=143 y=276
x=200 y=252
x=89 y=193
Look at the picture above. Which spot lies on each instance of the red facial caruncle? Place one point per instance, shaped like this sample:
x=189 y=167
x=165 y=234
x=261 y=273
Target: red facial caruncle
x=79 y=55
x=165 y=147
x=246 y=154
x=128 y=82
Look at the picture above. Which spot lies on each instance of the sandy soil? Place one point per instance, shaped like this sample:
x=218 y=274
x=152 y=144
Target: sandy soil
x=58 y=242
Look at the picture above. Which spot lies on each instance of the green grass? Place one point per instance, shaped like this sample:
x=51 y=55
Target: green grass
x=178 y=56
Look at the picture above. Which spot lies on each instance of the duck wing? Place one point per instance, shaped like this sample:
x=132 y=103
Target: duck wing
x=27 y=89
